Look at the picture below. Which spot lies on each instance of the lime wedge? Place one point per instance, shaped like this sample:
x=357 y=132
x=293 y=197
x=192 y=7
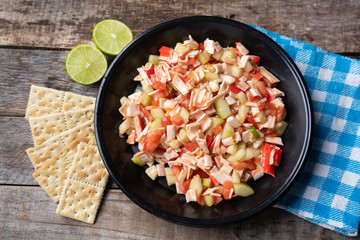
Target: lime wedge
x=111 y=36
x=85 y=64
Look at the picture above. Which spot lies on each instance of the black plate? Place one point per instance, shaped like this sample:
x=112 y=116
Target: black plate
x=152 y=195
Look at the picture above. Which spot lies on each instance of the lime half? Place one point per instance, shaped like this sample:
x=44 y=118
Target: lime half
x=85 y=64
x=110 y=36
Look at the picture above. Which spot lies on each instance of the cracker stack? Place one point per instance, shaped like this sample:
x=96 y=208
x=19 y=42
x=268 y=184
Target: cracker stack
x=67 y=163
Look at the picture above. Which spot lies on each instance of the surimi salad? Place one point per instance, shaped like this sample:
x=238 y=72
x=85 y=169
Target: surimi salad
x=209 y=119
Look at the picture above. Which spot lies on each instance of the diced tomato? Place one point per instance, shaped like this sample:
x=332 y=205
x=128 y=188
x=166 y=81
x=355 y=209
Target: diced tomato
x=256 y=60
x=146 y=113
x=176 y=170
x=226 y=190
x=186 y=79
x=159 y=151
x=191 y=146
x=262 y=89
x=184 y=186
x=233 y=88
x=208 y=139
x=201 y=173
x=157 y=84
x=217 y=129
x=161 y=94
x=191 y=61
x=217 y=200
x=150 y=70
x=243 y=164
x=201 y=46
x=165 y=120
x=252 y=121
x=177 y=119
x=214 y=181
x=152 y=140
x=256 y=75
x=265 y=159
x=201 y=201
x=165 y=51
x=279 y=113
x=185 y=102
x=155 y=103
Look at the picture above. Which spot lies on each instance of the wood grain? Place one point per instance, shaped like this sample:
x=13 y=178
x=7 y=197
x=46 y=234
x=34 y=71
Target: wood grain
x=27 y=211
x=331 y=25
x=21 y=68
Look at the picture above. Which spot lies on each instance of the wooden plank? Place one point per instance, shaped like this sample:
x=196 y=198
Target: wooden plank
x=331 y=25
x=27 y=212
x=21 y=68
x=15 y=166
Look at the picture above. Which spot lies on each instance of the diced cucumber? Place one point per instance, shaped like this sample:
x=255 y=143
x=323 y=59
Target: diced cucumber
x=214 y=86
x=204 y=57
x=242 y=97
x=175 y=144
x=185 y=115
x=196 y=185
x=154 y=59
x=146 y=100
x=222 y=108
x=251 y=153
x=170 y=176
x=209 y=200
x=206 y=182
x=238 y=156
x=137 y=160
x=236 y=71
x=243 y=189
x=152 y=172
x=155 y=124
x=228 y=131
x=125 y=125
x=157 y=113
x=210 y=68
x=232 y=149
x=243 y=112
x=280 y=127
x=218 y=54
x=228 y=57
x=124 y=100
x=248 y=67
x=235 y=177
x=217 y=121
x=181 y=49
x=146 y=88
x=183 y=136
x=227 y=78
x=210 y=76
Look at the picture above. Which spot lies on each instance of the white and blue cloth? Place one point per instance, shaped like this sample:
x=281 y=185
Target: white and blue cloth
x=328 y=190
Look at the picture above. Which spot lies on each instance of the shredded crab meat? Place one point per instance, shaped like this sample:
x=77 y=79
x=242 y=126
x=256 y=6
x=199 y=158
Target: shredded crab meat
x=205 y=110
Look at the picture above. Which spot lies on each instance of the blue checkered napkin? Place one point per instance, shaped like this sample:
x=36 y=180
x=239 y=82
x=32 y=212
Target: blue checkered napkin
x=328 y=190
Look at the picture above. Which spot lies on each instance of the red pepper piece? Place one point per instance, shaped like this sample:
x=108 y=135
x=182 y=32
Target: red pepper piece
x=165 y=51
x=233 y=88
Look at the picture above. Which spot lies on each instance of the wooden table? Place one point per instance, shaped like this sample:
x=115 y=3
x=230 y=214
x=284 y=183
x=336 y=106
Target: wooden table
x=35 y=37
